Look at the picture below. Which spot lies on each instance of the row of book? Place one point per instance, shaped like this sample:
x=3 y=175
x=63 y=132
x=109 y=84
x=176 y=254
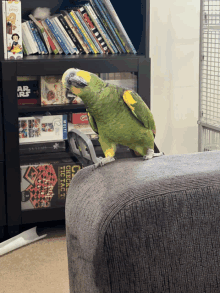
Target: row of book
x=48 y=90
x=91 y=28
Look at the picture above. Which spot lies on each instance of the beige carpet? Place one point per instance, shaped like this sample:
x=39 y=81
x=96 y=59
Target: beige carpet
x=40 y=267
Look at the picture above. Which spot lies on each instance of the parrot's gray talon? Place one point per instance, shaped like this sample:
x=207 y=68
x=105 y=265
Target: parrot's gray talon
x=104 y=161
x=149 y=155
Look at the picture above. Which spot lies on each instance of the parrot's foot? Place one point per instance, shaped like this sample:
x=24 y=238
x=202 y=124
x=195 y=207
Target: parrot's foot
x=104 y=161
x=150 y=154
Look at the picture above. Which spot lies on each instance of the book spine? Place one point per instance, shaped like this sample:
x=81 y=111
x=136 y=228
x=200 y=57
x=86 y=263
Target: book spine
x=44 y=147
x=94 y=30
x=70 y=33
x=51 y=44
x=102 y=30
x=33 y=37
x=25 y=39
x=40 y=38
x=108 y=26
x=90 y=32
x=121 y=31
x=40 y=48
x=78 y=35
x=71 y=43
x=25 y=51
x=93 y=41
x=29 y=38
x=41 y=31
x=13 y=30
x=62 y=35
x=54 y=32
x=4 y=29
x=52 y=40
x=72 y=13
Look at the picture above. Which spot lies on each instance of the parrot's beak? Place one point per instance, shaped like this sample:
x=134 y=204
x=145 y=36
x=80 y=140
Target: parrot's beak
x=70 y=79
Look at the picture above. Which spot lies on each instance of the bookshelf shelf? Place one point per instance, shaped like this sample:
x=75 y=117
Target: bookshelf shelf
x=136 y=23
x=30 y=109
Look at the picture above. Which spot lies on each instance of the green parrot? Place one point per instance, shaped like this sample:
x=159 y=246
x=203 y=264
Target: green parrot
x=116 y=114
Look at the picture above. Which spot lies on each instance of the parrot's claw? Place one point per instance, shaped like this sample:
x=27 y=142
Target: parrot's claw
x=150 y=154
x=104 y=161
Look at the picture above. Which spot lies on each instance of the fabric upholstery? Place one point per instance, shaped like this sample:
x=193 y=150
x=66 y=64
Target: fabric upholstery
x=146 y=226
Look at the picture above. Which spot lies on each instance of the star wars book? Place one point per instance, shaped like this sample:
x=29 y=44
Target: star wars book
x=28 y=91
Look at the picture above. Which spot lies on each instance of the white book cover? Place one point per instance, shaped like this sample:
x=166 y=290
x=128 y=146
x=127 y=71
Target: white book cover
x=29 y=37
x=42 y=128
x=13 y=30
x=4 y=29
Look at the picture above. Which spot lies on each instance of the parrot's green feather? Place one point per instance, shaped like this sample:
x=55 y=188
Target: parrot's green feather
x=118 y=115
x=92 y=123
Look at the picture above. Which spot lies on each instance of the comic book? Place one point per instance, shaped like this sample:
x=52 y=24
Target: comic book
x=13 y=30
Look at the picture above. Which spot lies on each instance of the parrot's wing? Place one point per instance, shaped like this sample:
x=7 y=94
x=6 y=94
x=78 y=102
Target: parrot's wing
x=139 y=109
x=92 y=123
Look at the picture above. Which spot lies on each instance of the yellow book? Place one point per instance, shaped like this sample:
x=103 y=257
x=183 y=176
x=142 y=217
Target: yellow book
x=72 y=13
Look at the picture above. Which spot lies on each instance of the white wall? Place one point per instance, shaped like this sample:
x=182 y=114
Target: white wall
x=174 y=53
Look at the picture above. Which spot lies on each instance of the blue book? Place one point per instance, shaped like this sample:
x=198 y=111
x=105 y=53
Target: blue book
x=110 y=25
x=88 y=32
x=54 y=32
x=90 y=9
x=79 y=30
x=61 y=34
x=33 y=37
x=44 y=49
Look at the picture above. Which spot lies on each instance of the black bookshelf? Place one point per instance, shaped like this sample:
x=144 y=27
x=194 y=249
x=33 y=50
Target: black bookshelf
x=10 y=205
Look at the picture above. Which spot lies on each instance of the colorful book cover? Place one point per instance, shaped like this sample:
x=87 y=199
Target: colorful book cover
x=41 y=31
x=71 y=46
x=54 y=32
x=46 y=185
x=28 y=92
x=61 y=37
x=52 y=38
x=42 y=128
x=70 y=33
x=13 y=30
x=39 y=37
x=101 y=28
x=94 y=30
x=87 y=30
x=120 y=29
x=52 y=92
x=77 y=32
x=88 y=40
x=33 y=37
x=108 y=25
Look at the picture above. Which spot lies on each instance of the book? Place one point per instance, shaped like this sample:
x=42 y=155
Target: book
x=84 y=33
x=103 y=14
x=28 y=91
x=55 y=33
x=61 y=37
x=52 y=92
x=42 y=128
x=87 y=30
x=100 y=27
x=13 y=30
x=94 y=30
x=39 y=38
x=84 y=128
x=4 y=29
x=79 y=118
x=33 y=37
x=42 y=147
x=70 y=33
x=28 y=40
x=71 y=46
x=76 y=31
x=42 y=32
x=119 y=27
x=46 y=185
x=52 y=40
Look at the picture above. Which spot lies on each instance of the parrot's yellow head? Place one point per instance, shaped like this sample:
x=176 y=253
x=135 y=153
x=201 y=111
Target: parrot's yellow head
x=81 y=83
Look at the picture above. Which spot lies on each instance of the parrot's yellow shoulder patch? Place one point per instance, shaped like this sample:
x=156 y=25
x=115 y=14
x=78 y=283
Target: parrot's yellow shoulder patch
x=84 y=74
x=129 y=100
x=109 y=152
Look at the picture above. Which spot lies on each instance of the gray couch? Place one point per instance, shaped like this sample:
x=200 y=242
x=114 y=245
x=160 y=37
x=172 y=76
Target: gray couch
x=146 y=226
